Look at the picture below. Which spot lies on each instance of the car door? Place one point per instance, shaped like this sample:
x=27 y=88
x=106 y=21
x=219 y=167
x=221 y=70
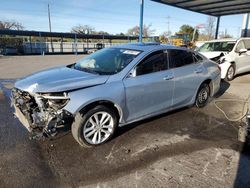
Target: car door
x=188 y=75
x=242 y=60
x=150 y=89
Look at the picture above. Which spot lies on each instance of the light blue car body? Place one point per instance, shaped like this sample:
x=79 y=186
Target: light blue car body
x=134 y=97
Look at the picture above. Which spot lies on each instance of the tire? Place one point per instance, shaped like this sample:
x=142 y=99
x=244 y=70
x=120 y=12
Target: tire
x=202 y=96
x=230 y=73
x=85 y=128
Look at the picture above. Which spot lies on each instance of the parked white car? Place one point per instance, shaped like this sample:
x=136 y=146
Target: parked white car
x=232 y=55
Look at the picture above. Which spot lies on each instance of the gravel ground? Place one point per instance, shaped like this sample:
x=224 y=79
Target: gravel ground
x=186 y=148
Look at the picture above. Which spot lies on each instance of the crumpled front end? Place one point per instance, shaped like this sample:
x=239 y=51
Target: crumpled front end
x=42 y=114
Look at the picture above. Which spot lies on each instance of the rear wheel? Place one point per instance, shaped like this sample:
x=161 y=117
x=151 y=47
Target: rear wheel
x=95 y=127
x=230 y=73
x=202 y=95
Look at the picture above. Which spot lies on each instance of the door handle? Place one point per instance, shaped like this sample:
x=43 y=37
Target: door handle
x=168 y=77
x=198 y=70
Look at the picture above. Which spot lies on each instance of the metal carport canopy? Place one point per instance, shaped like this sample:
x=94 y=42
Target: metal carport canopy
x=216 y=8
x=211 y=7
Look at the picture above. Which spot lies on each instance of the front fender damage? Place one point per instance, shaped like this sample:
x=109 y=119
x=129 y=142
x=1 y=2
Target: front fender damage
x=41 y=114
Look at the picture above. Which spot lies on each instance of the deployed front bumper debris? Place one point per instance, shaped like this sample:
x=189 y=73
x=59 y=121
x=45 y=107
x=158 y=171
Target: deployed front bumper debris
x=41 y=114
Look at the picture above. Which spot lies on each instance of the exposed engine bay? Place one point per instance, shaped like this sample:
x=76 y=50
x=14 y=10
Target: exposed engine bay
x=219 y=59
x=42 y=114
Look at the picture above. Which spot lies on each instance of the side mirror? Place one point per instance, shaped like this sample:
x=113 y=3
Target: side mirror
x=242 y=51
x=132 y=73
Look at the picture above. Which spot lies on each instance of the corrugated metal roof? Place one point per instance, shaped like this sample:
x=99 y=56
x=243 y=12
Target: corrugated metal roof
x=211 y=7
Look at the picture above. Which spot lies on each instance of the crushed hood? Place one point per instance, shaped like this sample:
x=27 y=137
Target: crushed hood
x=59 y=80
x=211 y=55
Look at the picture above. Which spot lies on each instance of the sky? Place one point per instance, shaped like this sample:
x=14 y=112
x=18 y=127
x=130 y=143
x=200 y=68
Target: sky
x=113 y=16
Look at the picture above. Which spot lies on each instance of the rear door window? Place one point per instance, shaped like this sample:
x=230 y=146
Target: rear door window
x=179 y=58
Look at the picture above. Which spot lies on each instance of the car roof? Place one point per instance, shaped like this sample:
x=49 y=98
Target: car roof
x=227 y=40
x=223 y=40
x=147 y=46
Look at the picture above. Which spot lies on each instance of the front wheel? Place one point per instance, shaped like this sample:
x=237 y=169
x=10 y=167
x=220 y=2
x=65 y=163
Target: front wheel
x=202 y=95
x=230 y=73
x=95 y=127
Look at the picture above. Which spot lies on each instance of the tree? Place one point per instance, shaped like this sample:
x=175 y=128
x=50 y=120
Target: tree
x=6 y=41
x=121 y=34
x=163 y=39
x=167 y=33
x=224 y=35
x=11 y=25
x=147 y=31
x=189 y=31
x=101 y=33
x=210 y=28
x=83 y=29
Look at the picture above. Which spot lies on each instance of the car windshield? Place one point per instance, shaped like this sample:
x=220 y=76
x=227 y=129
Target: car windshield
x=217 y=46
x=107 y=61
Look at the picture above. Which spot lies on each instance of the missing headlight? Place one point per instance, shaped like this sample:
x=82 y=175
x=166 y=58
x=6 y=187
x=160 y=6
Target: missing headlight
x=56 y=100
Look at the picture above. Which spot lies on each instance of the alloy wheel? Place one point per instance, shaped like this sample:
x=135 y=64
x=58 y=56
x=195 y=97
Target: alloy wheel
x=98 y=128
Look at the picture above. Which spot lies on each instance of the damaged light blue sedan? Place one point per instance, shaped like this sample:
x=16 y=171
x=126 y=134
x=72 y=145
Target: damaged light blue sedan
x=113 y=87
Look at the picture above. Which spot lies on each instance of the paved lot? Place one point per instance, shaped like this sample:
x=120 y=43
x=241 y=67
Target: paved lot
x=186 y=148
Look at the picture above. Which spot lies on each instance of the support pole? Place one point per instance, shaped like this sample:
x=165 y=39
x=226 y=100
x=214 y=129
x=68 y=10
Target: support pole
x=217 y=27
x=87 y=43
x=246 y=27
x=30 y=45
x=61 y=45
x=75 y=44
x=141 y=21
x=110 y=42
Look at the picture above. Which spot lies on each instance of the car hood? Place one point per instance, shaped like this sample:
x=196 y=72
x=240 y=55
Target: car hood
x=211 y=55
x=59 y=80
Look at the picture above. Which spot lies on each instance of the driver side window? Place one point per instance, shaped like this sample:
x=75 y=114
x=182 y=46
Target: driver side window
x=240 y=46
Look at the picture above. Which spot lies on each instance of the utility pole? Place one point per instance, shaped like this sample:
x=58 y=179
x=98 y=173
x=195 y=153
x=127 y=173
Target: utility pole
x=49 y=19
x=193 y=38
x=168 y=22
x=51 y=42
